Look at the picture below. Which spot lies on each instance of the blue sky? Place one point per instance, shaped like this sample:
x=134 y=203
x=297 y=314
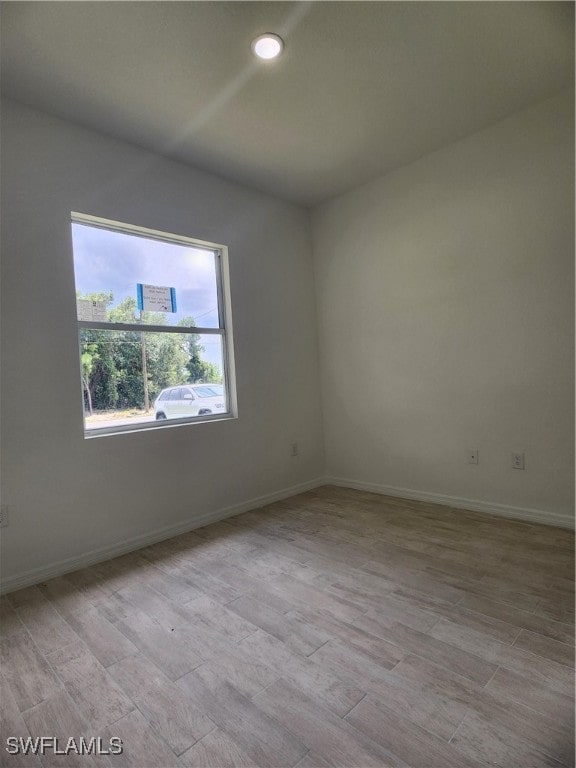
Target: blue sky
x=114 y=261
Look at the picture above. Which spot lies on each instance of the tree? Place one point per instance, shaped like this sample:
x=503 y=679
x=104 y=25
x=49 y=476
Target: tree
x=115 y=362
x=167 y=360
x=96 y=358
x=88 y=358
x=126 y=312
x=198 y=370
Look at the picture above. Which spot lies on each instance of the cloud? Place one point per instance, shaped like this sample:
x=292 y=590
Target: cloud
x=114 y=261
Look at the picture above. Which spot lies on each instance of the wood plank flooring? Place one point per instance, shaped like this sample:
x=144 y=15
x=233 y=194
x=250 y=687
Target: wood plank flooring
x=336 y=628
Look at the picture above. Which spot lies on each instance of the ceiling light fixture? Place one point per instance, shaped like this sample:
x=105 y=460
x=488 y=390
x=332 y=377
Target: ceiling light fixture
x=268 y=46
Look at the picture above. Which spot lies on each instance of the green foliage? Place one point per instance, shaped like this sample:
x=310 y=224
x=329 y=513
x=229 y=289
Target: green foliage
x=166 y=358
x=211 y=374
x=112 y=360
x=198 y=369
x=89 y=358
x=106 y=296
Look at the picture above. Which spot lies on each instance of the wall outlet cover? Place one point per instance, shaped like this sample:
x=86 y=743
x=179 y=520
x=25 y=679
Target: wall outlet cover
x=518 y=460
x=473 y=456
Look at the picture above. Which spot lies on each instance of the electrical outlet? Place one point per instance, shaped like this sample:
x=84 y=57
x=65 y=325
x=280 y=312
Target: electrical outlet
x=518 y=461
x=3 y=515
x=473 y=456
x=294 y=449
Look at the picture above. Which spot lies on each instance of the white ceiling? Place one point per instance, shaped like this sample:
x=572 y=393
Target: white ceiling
x=362 y=88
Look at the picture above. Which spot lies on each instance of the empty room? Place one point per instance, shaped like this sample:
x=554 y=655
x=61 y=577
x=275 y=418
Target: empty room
x=287 y=437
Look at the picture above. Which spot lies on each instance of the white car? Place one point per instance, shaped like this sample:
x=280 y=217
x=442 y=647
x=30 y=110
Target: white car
x=189 y=400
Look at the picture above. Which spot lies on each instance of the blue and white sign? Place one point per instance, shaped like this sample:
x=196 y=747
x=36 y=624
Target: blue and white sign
x=156 y=298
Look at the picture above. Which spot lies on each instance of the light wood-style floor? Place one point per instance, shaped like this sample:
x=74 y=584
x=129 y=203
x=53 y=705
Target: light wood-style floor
x=336 y=628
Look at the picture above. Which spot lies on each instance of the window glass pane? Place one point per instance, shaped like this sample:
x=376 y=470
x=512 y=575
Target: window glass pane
x=178 y=281
x=205 y=391
x=117 y=393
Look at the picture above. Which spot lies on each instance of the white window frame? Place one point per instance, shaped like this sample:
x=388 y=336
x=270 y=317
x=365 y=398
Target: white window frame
x=224 y=330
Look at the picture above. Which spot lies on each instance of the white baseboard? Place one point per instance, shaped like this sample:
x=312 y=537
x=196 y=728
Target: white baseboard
x=517 y=513
x=59 y=568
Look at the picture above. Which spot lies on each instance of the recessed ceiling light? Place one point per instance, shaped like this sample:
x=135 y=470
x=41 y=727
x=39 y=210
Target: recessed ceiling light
x=267 y=46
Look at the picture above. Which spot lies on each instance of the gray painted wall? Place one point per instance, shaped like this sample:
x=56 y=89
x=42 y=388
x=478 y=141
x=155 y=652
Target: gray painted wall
x=445 y=295
x=68 y=495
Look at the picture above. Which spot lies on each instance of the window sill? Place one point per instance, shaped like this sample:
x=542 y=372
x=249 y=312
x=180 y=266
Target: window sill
x=147 y=426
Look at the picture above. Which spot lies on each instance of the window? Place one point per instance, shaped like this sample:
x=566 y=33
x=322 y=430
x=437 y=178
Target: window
x=152 y=317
